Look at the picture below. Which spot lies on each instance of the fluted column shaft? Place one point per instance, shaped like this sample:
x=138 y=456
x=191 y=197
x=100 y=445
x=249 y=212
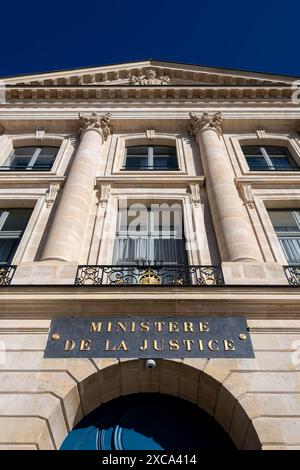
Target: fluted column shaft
x=234 y=233
x=67 y=231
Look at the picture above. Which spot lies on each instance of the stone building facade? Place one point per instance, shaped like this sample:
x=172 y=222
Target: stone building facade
x=224 y=146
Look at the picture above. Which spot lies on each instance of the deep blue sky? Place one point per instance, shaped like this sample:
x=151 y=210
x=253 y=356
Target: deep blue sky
x=39 y=36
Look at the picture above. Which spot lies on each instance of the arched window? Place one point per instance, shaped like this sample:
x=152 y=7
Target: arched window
x=30 y=159
x=268 y=158
x=149 y=158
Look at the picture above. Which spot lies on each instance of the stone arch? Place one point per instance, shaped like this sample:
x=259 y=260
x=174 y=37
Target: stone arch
x=200 y=381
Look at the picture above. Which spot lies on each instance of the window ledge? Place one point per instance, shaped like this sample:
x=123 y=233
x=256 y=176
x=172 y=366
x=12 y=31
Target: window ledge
x=264 y=178
x=30 y=178
x=142 y=179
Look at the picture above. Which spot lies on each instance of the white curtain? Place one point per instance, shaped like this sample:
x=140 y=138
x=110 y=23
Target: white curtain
x=168 y=250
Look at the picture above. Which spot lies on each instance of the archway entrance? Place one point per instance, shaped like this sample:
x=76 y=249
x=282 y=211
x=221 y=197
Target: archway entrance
x=148 y=421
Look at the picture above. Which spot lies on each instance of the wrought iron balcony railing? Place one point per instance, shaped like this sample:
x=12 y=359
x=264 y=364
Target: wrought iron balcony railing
x=293 y=274
x=6 y=274
x=149 y=273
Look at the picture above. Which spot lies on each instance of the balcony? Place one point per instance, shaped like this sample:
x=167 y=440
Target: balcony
x=293 y=274
x=147 y=273
x=6 y=274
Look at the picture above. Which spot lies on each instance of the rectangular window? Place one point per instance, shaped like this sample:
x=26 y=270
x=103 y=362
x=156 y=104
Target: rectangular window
x=268 y=158
x=154 y=235
x=286 y=223
x=31 y=158
x=147 y=158
x=12 y=225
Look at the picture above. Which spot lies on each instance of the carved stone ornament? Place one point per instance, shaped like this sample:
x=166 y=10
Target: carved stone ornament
x=245 y=191
x=101 y=123
x=260 y=133
x=103 y=194
x=51 y=194
x=150 y=133
x=149 y=79
x=195 y=194
x=39 y=134
x=198 y=123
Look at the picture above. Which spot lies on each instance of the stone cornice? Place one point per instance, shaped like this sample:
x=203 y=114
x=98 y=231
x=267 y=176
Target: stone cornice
x=54 y=93
x=101 y=123
x=121 y=73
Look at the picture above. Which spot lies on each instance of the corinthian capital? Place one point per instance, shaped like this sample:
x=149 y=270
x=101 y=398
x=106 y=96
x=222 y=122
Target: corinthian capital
x=198 y=123
x=101 y=123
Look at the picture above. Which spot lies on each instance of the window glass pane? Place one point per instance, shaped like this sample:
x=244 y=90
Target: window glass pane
x=170 y=250
x=252 y=150
x=256 y=163
x=137 y=150
x=46 y=158
x=18 y=162
x=20 y=158
x=7 y=249
x=164 y=162
x=27 y=158
x=151 y=158
x=281 y=162
x=15 y=221
x=24 y=151
x=284 y=221
x=164 y=150
x=268 y=158
x=291 y=249
x=136 y=163
x=272 y=150
x=162 y=238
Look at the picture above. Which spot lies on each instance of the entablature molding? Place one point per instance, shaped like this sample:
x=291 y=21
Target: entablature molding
x=254 y=302
x=69 y=93
x=149 y=181
x=235 y=121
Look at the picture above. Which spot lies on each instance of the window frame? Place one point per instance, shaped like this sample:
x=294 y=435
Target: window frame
x=12 y=234
x=31 y=164
x=116 y=154
x=150 y=235
x=150 y=156
x=198 y=249
x=239 y=163
x=267 y=157
x=295 y=212
x=64 y=144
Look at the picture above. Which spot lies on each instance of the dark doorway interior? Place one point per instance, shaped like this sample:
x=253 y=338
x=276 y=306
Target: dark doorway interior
x=148 y=421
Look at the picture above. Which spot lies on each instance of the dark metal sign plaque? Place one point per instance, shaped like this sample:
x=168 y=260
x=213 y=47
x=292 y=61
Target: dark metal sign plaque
x=149 y=337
